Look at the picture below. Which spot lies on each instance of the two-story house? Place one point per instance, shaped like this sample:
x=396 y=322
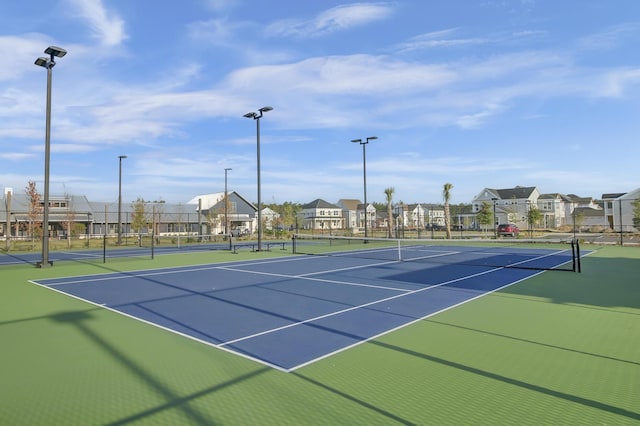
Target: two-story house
x=511 y=205
x=619 y=210
x=321 y=215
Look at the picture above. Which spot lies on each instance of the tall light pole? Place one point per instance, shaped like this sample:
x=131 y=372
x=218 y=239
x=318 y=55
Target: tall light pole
x=364 y=173
x=226 y=203
x=120 y=158
x=495 y=219
x=257 y=116
x=47 y=63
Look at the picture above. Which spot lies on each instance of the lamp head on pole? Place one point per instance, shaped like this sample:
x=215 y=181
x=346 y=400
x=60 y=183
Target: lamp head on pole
x=49 y=62
x=255 y=115
x=55 y=51
x=43 y=62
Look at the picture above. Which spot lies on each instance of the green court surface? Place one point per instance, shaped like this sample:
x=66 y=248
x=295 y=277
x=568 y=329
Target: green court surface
x=558 y=348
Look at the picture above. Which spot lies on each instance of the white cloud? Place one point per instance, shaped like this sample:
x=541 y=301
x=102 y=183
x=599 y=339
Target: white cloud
x=438 y=39
x=335 y=19
x=107 y=26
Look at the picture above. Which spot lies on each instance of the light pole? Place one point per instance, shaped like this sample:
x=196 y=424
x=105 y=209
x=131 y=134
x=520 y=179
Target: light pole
x=364 y=173
x=257 y=116
x=529 y=228
x=47 y=63
x=226 y=203
x=495 y=219
x=120 y=158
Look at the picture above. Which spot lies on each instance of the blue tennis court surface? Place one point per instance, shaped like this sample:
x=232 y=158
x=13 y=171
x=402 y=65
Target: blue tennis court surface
x=99 y=254
x=289 y=312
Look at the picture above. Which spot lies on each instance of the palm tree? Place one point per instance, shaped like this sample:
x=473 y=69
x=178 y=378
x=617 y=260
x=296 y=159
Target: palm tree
x=389 y=193
x=446 y=194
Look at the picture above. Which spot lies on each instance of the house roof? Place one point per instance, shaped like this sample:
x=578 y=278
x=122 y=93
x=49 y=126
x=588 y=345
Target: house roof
x=613 y=196
x=588 y=211
x=518 y=192
x=320 y=204
x=349 y=204
x=557 y=195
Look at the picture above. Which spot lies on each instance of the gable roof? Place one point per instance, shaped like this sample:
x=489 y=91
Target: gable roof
x=349 y=204
x=518 y=192
x=320 y=204
x=558 y=196
x=613 y=196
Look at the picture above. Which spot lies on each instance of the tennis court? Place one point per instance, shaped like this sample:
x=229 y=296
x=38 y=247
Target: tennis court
x=552 y=349
x=289 y=312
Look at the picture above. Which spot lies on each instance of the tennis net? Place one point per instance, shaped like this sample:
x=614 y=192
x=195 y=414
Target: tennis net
x=557 y=255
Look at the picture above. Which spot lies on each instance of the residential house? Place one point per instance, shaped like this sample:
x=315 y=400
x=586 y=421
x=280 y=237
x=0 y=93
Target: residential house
x=554 y=208
x=510 y=205
x=269 y=218
x=349 y=212
x=371 y=215
x=321 y=215
x=584 y=212
x=619 y=210
x=242 y=214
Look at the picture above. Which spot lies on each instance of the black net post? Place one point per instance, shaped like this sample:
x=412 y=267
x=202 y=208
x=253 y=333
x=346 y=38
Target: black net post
x=293 y=244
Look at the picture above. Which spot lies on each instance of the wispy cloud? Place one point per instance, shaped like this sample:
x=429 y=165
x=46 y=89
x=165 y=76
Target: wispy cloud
x=439 y=39
x=107 y=26
x=335 y=19
x=611 y=37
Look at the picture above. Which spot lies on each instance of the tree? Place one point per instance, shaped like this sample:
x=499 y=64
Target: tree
x=139 y=216
x=388 y=192
x=35 y=209
x=485 y=215
x=446 y=194
x=69 y=219
x=534 y=215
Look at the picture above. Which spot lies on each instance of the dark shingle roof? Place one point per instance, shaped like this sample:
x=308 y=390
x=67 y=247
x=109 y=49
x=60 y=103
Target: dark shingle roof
x=320 y=204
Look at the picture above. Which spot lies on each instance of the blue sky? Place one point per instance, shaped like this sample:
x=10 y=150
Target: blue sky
x=478 y=93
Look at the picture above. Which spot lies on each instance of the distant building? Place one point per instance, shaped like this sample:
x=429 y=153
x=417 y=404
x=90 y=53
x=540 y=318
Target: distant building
x=618 y=210
x=321 y=215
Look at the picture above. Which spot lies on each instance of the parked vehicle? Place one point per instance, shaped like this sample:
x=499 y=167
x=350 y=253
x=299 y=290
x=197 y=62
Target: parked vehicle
x=508 y=229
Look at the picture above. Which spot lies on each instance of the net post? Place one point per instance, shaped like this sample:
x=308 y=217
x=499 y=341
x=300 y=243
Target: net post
x=573 y=255
x=293 y=244
x=399 y=251
x=153 y=239
x=578 y=256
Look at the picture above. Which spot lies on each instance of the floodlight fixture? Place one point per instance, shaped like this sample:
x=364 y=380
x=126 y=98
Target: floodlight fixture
x=43 y=62
x=55 y=51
